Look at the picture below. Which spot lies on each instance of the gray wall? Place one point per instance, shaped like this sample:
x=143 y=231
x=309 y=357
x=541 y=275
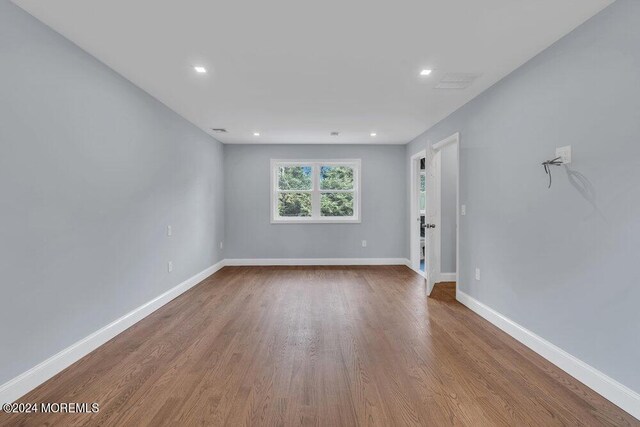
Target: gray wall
x=559 y=261
x=92 y=170
x=247 y=202
x=448 y=189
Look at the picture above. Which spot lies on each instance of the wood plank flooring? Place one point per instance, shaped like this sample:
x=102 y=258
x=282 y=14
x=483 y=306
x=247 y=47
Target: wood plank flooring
x=327 y=346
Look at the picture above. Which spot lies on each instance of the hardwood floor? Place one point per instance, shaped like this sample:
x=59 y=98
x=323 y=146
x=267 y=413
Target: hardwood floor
x=324 y=346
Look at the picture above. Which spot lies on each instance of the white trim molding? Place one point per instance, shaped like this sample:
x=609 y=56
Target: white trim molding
x=448 y=140
x=609 y=388
x=317 y=261
x=27 y=381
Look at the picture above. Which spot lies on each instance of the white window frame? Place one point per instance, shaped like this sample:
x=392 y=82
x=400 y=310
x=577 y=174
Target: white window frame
x=315 y=217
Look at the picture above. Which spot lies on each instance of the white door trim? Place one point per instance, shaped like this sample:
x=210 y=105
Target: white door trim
x=414 y=210
x=448 y=140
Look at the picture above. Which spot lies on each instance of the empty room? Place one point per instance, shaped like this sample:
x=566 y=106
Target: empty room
x=337 y=213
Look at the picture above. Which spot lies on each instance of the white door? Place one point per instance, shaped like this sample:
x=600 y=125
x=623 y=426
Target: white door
x=432 y=263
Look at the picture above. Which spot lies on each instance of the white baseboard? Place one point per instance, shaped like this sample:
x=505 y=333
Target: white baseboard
x=317 y=261
x=609 y=388
x=617 y=393
x=447 y=277
x=27 y=381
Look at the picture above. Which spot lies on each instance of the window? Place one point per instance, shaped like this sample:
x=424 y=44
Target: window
x=315 y=191
x=423 y=192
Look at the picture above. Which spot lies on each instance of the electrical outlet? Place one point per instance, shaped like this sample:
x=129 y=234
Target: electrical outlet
x=169 y=231
x=364 y=243
x=221 y=244
x=477 y=274
x=463 y=210
x=170 y=266
x=564 y=153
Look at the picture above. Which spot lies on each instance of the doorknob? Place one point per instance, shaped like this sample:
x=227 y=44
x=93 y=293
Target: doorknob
x=430 y=226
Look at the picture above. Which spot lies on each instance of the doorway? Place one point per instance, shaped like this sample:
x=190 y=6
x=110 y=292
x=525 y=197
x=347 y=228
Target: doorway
x=447 y=154
x=434 y=212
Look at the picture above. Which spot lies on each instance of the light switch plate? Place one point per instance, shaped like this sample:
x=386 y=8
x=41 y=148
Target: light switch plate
x=477 y=274
x=564 y=153
x=463 y=209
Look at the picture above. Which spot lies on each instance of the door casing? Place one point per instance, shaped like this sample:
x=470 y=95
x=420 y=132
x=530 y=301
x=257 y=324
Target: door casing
x=436 y=240
x=433 y=236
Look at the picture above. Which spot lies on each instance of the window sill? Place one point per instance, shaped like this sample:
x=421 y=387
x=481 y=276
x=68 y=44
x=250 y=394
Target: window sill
x=316 y=221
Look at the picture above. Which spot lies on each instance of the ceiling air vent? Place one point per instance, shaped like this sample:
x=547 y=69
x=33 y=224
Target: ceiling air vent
x=334 y=133
x=219 y=130
x=457 y=80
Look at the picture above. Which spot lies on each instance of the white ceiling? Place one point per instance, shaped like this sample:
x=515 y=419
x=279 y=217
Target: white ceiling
x=295 y=70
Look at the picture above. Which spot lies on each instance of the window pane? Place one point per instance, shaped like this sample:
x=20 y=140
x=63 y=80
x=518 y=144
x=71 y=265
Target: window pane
x=423 y=188
x=294 y=178
x=294 y=204
x=336 y=178
x=336 y=204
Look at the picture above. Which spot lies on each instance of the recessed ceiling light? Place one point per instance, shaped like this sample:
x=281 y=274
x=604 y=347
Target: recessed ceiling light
x=256 y=134
x=373 y=134
x=425 y=72
x=200 y=69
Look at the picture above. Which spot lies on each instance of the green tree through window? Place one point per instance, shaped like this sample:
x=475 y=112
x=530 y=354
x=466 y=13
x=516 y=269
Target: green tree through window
x=423 y=189
x=336 y=203
x=294 y=178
